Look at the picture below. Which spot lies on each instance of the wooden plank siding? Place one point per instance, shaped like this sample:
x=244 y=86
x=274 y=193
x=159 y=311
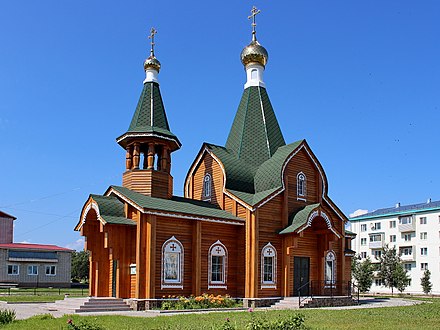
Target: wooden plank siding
x=208 y=165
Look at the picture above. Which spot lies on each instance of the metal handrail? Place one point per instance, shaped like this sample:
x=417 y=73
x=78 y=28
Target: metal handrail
x=306 y=296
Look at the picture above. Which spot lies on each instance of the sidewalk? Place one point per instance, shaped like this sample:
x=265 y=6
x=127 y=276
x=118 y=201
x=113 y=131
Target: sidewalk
x=26 y=310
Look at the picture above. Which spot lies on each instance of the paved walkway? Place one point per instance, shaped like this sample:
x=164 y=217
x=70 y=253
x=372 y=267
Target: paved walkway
x=24 y=311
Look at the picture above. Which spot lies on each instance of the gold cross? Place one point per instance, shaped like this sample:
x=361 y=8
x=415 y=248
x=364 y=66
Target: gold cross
x=153 y=31
x=254 y=12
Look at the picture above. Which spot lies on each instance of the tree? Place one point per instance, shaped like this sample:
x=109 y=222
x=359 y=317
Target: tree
x=391 y=270
x=80 y=266
x=362 y=272
x=426 y=281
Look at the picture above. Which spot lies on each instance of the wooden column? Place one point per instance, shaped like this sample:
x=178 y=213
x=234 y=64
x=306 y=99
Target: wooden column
x=150 y=156
x=164 y=159
x=129 y=158
x=140 y=256
x=197 y=259
x=136 y=156
x=150 y=257
x=251 y=289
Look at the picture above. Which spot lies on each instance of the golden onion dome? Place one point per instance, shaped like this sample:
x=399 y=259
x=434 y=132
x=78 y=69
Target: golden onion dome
x=152 y=62
x=254 y=53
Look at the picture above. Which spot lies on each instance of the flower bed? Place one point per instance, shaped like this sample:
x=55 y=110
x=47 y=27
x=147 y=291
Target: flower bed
x=204 y=301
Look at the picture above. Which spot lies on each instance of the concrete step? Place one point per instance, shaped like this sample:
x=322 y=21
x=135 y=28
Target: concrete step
x=103 y=305
x=84 y=309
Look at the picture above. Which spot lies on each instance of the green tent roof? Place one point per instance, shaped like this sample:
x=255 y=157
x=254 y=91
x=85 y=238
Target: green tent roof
x=177 y=204
x=150 y=116
x=255 y=134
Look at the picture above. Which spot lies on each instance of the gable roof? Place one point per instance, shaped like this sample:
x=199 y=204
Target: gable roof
x=190 y=208
x=150 y=117
x=255 y=134
x=299 y=219
x=400 y=210
x=5 y=215
x=111 y=210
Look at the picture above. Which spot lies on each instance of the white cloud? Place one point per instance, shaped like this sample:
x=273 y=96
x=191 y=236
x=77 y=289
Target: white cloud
x=358 y=213
x=77 y=245
x=25 y=242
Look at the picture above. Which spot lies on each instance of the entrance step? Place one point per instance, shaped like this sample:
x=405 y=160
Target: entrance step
x=103 y=305
x=68 y=305
x=287 y=303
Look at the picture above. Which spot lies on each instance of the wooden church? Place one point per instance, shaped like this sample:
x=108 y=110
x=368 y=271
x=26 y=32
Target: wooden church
x=255 y=221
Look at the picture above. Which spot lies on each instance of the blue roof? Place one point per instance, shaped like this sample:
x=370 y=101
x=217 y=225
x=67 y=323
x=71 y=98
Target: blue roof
x=400 y=210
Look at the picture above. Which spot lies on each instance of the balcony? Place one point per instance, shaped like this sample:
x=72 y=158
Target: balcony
x=407 y=227
x=408 y=256
x=376 y=245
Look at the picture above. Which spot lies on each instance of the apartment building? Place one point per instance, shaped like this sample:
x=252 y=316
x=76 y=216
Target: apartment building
x=415 y=232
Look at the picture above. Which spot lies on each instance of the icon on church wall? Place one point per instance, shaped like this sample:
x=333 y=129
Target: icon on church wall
x=172 y=266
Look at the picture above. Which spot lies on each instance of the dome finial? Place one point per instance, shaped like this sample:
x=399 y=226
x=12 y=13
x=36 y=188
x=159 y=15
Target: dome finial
x=153 y=31
x=254 y=12
x=151 y=64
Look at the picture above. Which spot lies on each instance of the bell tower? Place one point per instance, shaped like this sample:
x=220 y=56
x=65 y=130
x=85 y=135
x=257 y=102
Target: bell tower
x=148 y=141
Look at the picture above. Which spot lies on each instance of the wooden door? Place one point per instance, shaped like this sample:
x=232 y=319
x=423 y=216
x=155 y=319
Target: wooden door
x=301 y=275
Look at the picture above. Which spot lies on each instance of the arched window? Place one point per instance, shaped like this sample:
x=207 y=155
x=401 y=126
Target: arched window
x=254 y=74
x=207 y=187
x=268 y=266
x=330 y=268
x=301 y=185
x=217 y=265
x=172 y=264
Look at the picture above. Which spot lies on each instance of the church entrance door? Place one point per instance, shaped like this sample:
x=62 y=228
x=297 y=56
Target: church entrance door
x=301 y=275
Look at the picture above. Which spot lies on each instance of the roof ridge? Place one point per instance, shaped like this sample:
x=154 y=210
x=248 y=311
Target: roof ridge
x=263 y=114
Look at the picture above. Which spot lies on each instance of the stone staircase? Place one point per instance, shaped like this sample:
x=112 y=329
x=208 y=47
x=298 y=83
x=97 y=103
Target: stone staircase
x=293 y=302
x=286 y=303
x=94 y=305
x=67 y=306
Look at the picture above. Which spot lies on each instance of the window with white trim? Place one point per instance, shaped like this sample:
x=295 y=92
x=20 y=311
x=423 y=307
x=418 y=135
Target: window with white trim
x=268 y=266
x=423 y=266
x=424 y=251
x=301 y=185
x=13 y=269
x=364 y=241
x=393 y=238
x=393 y=224
x=423 y=221
x=217 y=265
x=363 y=255
x=330 y=269
x=172 y=264
x=51 y=270
x=207 y=187
x=423 y=235
x=32 y=270
x=364 y=227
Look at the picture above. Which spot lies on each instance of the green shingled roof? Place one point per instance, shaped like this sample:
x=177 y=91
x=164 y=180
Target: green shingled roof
x=111 y=210
x=150 y=116
x=299 y=218
x=177 y=205
x=255 y=134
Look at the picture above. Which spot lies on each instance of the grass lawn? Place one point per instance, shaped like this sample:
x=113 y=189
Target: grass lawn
x=39 y=295
x=424 y=316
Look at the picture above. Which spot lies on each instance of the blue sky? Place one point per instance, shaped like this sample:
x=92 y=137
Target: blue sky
x=358 y=79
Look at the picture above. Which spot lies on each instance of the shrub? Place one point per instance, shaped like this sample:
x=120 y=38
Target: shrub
x=7 y=316
x=83 y=325
x=200 y=302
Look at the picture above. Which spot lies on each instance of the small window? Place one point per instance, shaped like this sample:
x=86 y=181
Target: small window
x=406 y=251
x=378 y=282
x=392 y=238
x=424 y=251
x=301 y=185
x=407 y=237
x=363 y=255
x=377 y=253
x=364 y=227
x=51 y=270
x=405 y=220
x=172 y=264
x=423 y=266
x=424 y=235
x=408 y=267
x=423 y=220
x=268 y=266
x=254 y=74
x=376 y=238
x=207 y=187
x=393 y=224
x=32 y=270
x=363 y=241
x=13 y=270
x=330 y=268
x=217 y=265
x=376 y=226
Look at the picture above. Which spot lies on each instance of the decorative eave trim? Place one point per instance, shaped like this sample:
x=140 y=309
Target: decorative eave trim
x=316 y=213
x=91 y=204
x=140 y=134
x=174 y=215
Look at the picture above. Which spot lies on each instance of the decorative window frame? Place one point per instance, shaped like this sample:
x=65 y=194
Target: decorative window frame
x=166 y=246
x=223 y=251
x=207 y=187
x=330 y=257
x=301 y=187
x=265 y=252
